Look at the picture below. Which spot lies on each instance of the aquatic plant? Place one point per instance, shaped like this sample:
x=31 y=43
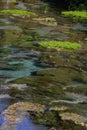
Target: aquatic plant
x=17 y=12
x=60 y=44
x=28 y=37
x=75 y=14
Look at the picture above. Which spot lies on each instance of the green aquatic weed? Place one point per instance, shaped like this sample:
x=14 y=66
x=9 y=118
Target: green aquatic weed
x=60 y=44
x=75 y=14
x=17 y=12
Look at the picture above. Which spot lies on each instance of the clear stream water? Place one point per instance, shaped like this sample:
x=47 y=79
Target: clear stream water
x=14 y=56
x=16 y=62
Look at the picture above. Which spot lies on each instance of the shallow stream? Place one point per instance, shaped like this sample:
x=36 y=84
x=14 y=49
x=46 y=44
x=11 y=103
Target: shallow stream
x=18 y=61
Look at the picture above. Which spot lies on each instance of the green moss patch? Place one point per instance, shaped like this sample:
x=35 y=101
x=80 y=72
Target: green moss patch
x=78 y=90
x=60 y=44
x=16 y=12
x=75 y=14
x=46 y=86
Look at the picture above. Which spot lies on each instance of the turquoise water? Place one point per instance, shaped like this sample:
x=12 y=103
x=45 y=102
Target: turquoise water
x=25 y=62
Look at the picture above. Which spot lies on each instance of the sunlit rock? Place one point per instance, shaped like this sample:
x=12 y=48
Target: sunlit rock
x=78 y=119
x=49 y=21
x=15 y=113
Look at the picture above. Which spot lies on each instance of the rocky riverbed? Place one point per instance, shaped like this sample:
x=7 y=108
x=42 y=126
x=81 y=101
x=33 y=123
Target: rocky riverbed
x=42 y=88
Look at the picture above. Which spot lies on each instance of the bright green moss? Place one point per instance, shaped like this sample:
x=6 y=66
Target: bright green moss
x=16 y=12
x=59 y=44
x=76 y=14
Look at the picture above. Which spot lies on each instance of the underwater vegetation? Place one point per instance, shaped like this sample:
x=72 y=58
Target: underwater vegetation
x=17 y=12
x=60 y=44
x=75 y=14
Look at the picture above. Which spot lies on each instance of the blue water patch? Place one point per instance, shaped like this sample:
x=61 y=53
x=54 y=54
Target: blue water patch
x=4 y=103
x=27 y=124
x=1 y=119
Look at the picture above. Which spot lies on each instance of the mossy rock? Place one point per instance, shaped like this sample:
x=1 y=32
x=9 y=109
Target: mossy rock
x=56 y=59
x=63 y=75
x=48 y=85
x=78 y=89
x=60 y=75
x=40 y=89
x=14 y=92
x=52 y=119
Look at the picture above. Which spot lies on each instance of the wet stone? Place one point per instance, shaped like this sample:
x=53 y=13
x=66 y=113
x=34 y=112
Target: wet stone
x=19 y=109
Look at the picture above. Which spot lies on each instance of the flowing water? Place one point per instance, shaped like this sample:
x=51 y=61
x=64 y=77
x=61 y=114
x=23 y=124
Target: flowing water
x=16 y=61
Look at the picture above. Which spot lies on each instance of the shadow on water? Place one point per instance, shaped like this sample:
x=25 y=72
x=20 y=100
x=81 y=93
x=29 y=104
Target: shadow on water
x=60 y=5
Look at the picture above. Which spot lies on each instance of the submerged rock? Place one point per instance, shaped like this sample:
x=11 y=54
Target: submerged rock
x=46 y=21
x=4 y=96
x=15 y=113
x=62 y=108
x=16 y=86
x=78 y=119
